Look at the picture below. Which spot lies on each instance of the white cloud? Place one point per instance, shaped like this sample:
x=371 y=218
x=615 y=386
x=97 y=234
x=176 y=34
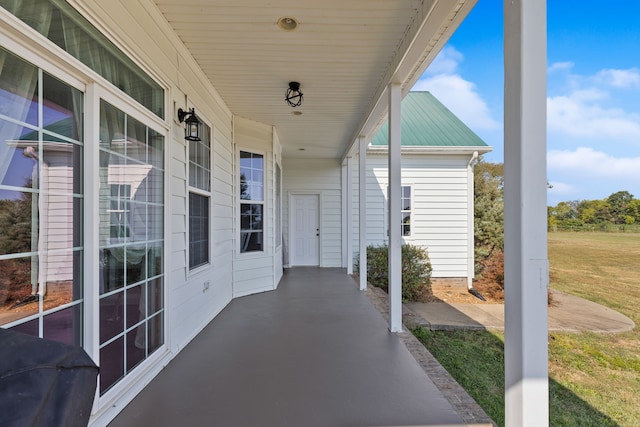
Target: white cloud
x=619 y=78
x=580 y=115
x=459 y=95
x=585 y=162
x=446 y=62
x=560 y=66
x=562 y=188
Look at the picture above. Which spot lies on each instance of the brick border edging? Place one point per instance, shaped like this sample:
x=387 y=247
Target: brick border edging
x=469 y=410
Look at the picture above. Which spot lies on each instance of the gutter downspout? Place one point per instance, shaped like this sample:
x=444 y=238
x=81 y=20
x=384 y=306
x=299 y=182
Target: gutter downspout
x=470 y=221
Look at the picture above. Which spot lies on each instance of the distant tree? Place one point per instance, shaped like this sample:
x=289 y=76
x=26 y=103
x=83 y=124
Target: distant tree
x=564 y=214
x=618 y=203
x=633 y=210
x=488 y=210
x=620 y=208
x=594 y=211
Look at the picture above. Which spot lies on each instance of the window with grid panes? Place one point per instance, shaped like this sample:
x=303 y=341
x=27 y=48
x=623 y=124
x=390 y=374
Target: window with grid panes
x=199 y=198
x=251 y=202
x=405 y=203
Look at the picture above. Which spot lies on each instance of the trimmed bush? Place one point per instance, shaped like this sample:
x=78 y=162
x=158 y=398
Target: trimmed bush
x=416 y=271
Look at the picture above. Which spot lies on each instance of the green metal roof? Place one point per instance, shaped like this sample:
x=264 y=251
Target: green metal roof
x=428 y=123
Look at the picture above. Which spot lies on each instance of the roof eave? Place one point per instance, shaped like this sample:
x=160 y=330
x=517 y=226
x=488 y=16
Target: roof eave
x=433 y=150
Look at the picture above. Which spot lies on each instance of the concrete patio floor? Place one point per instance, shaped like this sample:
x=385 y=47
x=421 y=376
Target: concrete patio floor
x=315 y=352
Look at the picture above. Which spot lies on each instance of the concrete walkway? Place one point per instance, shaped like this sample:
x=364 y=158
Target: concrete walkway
x=567 y=313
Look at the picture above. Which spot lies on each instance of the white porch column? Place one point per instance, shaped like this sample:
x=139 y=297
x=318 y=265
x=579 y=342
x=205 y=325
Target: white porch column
x=526 y=264
x=362 y=224
x=395 y=238
x=349 y=215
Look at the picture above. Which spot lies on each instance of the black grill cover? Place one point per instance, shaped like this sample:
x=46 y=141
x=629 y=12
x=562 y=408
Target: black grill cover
x=44 y=383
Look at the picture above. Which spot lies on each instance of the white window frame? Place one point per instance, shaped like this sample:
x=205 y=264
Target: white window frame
x=279 y=235
x=200 y=192
x=386 y=212
x=241 y=201
x=130 y=107
x=410 y=210
x=26 y=43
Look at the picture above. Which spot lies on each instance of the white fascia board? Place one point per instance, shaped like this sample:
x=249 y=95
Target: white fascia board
x=435 y=22
x=382 y=150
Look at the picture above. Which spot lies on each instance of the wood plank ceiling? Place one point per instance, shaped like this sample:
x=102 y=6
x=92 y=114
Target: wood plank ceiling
x=343 y=52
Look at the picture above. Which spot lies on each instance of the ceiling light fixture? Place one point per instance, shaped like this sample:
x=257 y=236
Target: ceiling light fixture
x=293 y=96
x=287 y=23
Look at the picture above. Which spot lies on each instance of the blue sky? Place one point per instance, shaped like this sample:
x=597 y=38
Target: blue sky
x=593 y=97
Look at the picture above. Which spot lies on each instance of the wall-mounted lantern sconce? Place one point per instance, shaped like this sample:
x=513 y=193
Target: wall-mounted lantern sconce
x=192 y=128
x=293 y=95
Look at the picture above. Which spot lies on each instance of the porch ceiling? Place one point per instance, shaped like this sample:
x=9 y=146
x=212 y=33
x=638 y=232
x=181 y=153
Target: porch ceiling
x=344 y=53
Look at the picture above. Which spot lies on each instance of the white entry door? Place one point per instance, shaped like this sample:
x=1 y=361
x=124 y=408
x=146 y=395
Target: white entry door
x=305 y=233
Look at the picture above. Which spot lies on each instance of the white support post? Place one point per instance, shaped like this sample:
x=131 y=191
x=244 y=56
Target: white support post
x=362 y=224
x=343 y=211
x=526 y=264
x=349 y=215
x=395 y=238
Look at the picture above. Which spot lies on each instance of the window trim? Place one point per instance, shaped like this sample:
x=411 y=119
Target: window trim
x=200 y=192
x=98 y=93
x=23 y=50
x=240 y=202
x=277 y=198
x=386 y=212
x=410 y=210
x=24 y=42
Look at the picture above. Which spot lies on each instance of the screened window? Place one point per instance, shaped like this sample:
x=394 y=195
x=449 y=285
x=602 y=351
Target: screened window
x=199 y=198
x=251 y=202
x=41 y=203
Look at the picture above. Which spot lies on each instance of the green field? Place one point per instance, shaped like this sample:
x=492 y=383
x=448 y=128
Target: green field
x=594 y=378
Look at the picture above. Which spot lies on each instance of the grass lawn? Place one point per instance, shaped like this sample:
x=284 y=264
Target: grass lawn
x=594 y=378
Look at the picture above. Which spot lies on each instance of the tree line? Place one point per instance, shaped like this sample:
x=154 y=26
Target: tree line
x=618 y=212
x=621 y=210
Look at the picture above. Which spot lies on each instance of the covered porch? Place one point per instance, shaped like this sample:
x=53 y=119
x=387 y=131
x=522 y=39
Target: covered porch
x=315 y=352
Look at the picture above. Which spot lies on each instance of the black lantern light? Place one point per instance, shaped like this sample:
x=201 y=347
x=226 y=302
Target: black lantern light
x=293 y=95
x=192 y=128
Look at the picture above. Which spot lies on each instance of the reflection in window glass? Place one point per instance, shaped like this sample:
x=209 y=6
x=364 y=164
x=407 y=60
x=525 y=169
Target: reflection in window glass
x=64 y=326
x=199 y=198
x=131 y=238
x=251 y=189
x=406 y=210
x=71 y=31
x=41 y=195
x=198 y=230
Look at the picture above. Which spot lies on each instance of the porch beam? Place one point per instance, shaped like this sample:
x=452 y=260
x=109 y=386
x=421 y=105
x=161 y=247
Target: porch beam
x=362 y=199
x=526 y=264
x=395 y=239
x=349 y=230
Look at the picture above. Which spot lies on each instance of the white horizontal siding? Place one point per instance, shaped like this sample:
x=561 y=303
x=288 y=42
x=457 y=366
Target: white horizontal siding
x=439 y=208
x=254 y=271
x=321 y=176
x=140 y=30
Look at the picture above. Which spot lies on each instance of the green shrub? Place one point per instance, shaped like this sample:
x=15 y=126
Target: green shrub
x=416 y=271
